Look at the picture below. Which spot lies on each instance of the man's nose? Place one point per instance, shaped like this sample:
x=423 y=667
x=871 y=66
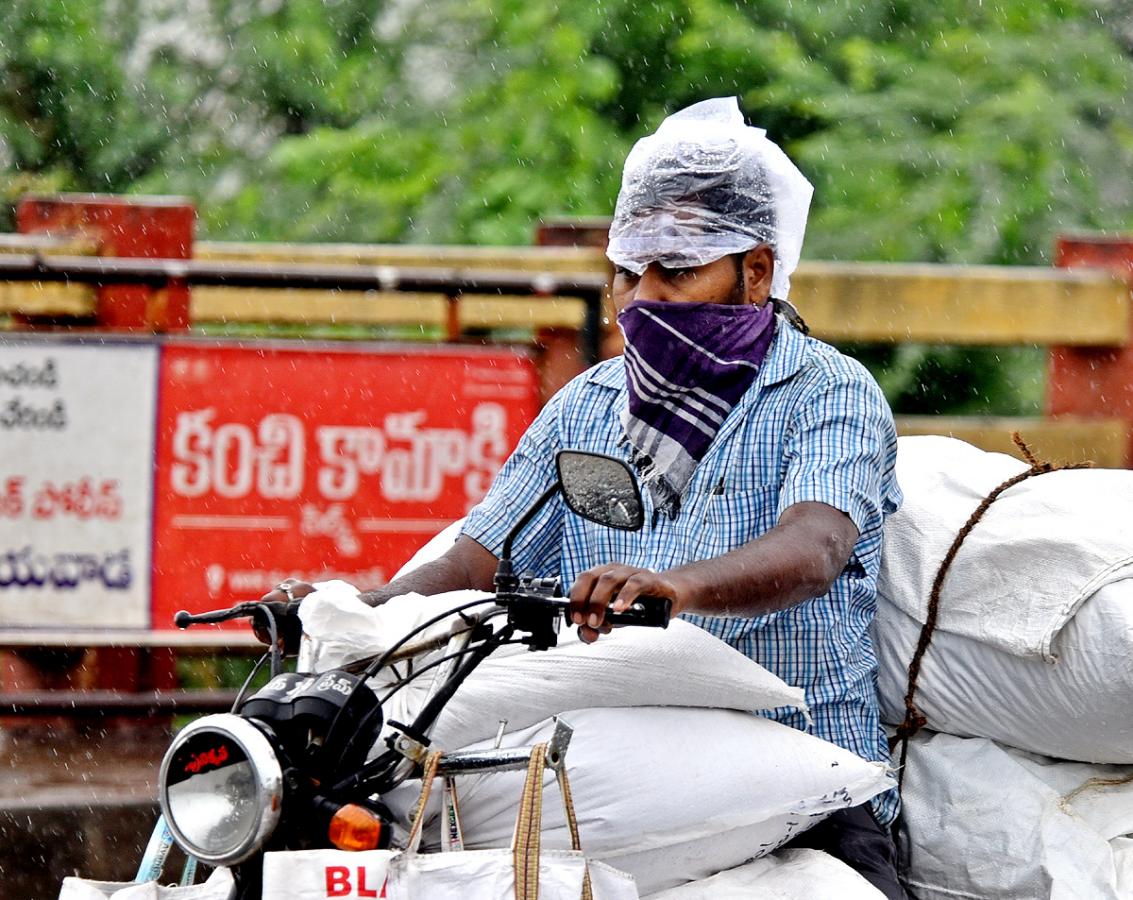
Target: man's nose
x=652 y=285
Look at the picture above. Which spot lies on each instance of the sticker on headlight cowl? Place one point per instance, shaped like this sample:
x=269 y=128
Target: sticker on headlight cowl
x=204 y=752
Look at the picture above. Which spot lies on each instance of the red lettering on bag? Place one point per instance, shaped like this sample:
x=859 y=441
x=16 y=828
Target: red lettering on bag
x=364 y=891
x=338 y=881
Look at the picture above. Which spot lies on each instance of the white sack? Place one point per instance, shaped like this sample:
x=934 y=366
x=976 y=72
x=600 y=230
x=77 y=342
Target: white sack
x=1078 y=708
x=669 y=795
x=632 y=666
x=984 y=821
x=785 y=875
x=1034 y=641
x=490 y=875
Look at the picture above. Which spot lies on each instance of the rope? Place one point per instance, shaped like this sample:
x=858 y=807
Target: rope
x=528 y=827
x=572 y=825
x=432 y=762
x=914 y=719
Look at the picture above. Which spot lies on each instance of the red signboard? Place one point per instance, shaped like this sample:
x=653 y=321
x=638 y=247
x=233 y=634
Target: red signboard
x=319 y=462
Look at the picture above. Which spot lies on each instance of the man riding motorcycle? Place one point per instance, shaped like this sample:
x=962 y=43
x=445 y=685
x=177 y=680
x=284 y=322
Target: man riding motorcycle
x=768 y=457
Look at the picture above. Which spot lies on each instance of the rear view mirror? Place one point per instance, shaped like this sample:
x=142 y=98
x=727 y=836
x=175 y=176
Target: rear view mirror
x=600 y=488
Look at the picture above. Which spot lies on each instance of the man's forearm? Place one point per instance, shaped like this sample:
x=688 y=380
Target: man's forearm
x=466 y=566
x=793 y=562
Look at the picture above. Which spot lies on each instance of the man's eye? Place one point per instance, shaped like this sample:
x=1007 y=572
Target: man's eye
x=678 y=271
x=622 y=272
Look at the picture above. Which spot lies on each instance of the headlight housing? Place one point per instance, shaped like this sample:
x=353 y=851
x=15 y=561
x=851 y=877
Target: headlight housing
x=221 y=789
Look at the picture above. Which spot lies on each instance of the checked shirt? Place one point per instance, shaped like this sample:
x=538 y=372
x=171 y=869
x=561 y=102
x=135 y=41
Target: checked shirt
x=813 y=426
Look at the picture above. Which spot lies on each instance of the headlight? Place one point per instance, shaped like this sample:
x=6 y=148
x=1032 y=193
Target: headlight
x=221 y=789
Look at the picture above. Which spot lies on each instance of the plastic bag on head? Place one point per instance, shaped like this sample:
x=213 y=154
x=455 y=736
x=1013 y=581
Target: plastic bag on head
x=704 y=186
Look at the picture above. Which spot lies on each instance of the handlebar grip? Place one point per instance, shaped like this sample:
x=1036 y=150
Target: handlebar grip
x=651 y=611
x=184 y=618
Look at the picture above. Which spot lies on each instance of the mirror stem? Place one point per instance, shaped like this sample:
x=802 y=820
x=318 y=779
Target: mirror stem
x=505 y=576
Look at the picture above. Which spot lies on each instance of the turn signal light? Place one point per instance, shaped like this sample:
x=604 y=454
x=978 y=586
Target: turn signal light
x=355 y=828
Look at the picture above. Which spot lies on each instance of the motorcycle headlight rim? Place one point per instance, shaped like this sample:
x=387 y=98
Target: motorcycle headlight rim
x=267 y=779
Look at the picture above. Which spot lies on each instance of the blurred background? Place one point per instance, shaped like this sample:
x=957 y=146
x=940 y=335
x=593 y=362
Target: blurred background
x=948 y=132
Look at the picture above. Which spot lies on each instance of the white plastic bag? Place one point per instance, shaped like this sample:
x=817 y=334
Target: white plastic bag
x=985 y=821
x=671 y=795
x=323 y=874
x=525 y=871
x=1034 y=641
x=219 y=886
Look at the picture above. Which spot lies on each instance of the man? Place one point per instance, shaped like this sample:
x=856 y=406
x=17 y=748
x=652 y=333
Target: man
x=767 y=456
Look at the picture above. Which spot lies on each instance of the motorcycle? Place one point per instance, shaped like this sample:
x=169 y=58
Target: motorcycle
x=292 y=766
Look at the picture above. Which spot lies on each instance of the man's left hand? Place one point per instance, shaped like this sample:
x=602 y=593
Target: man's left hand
x=614 y=586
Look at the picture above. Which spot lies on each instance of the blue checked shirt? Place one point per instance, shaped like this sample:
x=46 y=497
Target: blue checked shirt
x=814 y=426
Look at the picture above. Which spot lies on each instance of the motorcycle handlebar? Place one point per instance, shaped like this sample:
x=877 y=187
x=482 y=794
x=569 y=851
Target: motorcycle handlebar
x=247 y=609
x=653 y=612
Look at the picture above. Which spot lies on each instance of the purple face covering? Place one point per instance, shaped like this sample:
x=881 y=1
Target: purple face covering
x=687 y=366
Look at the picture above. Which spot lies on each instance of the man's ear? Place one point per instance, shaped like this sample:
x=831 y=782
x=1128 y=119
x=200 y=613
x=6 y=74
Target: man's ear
x=758 y=269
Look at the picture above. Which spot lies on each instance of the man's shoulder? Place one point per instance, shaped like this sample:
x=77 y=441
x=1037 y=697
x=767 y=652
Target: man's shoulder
x=608 y=375
x=586 y=402
x=823 y=366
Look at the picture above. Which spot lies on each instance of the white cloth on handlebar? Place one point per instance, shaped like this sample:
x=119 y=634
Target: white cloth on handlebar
x=345 y=630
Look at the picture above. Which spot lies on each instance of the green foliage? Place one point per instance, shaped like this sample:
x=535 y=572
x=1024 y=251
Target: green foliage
x=923 y=380
x=947 y=131
x=978 y=145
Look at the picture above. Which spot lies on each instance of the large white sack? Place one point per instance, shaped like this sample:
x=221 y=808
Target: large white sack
x=1034 y=641
x=785 y=875
x=669 y=795
x=1078 y=708
x=980 y=820
x=1042 y=549
x=681 y=665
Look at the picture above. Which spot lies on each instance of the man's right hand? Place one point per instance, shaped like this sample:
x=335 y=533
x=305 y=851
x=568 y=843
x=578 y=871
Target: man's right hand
x=283 y=601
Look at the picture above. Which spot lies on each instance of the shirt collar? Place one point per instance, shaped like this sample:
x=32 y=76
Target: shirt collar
x=787 y=354
x=611 y=373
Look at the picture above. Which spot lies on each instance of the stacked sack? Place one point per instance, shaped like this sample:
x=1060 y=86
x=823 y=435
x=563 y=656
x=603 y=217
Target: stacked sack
x=1022 y=788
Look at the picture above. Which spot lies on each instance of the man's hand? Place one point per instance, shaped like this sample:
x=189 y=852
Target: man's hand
x=282 y=601
x=615 y=587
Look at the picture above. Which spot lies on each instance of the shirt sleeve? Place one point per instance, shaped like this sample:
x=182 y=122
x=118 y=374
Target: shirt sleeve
x=841 y=450
x=526 y=474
